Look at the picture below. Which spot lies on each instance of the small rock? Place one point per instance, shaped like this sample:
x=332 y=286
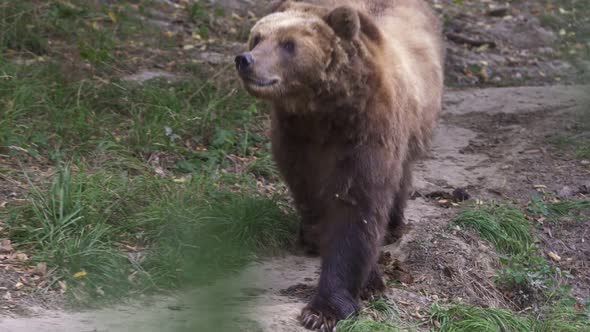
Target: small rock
x=147 y=75
x=444 y=203
x=214 y=58
x=41 y=268
x=460 y=194
x=546 y=50
x=566 y=191
x=532 y=151
x=498 y=12
x=5 y=246
x=175 y=307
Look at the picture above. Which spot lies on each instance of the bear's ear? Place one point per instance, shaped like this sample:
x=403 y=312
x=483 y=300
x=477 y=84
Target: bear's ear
x=345 y=22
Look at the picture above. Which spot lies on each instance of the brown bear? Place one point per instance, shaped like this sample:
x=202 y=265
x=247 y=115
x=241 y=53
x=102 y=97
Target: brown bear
x=355 y=88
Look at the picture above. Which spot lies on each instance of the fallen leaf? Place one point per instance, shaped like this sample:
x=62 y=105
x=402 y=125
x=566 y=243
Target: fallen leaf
x=41 y=268
x=548 y=231
x=554 y=256
x=417 y=315
x=5 y=246
x=19 y=285
x=63 y=286
x=237 y=17
x=21 y=256
x=80 y=274
x=179 y=180
x=113 y=17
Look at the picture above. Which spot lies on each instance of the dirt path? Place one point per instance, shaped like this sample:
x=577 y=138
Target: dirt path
x=491 y=142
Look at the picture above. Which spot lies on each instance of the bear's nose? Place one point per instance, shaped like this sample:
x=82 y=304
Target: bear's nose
x=243 y=61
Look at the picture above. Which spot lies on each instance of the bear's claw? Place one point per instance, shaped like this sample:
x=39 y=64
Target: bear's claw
x=317 y=321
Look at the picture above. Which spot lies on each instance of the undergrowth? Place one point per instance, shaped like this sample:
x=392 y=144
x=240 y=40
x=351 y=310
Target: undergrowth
x=154 y=186
x=524 y=274
x=554 y=208
x=144 y=187
x=504 y=226
x=365 y=325
x=47 y=114
x=467 y=318
x=109 y=234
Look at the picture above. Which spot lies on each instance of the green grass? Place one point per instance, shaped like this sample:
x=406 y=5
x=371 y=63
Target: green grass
x=565 y=317
x=105 y=221
x=531 y=279
x=69 y=29
x=198 y=239
x=47 y=114
x=555 y=209
x=524 y=272
x=575 y=141
x=467 y=318
x=16 y=31
x=380 y=314
x=365 y=325
x=578 y=146
x=382 y=309
x=569 y=20
x=189 y=233
x=504 y=226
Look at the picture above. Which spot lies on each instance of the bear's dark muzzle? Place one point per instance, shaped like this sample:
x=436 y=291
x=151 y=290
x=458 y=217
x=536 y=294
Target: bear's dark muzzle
x=243 y=62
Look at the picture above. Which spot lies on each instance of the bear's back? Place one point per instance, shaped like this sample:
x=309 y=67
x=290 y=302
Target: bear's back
x=412 y=61
x=413 y=46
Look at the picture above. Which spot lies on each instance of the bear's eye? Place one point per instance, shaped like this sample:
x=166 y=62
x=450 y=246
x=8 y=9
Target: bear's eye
x=256 y=41
x=288 y=46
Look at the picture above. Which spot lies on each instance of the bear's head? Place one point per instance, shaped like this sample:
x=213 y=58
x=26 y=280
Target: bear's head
x=302 y=51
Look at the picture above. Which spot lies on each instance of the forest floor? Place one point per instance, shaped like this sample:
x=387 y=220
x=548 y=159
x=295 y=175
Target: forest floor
x=127 y=145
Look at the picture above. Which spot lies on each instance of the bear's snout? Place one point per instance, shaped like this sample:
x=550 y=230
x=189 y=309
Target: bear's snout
x=243 y=62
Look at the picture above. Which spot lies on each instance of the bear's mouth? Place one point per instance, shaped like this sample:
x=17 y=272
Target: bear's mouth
x=260 y=82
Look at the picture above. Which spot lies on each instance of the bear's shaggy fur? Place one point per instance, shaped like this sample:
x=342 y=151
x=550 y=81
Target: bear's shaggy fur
x=355 y=87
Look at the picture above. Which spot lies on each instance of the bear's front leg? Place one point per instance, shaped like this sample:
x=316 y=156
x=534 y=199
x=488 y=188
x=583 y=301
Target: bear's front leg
x=349 y=252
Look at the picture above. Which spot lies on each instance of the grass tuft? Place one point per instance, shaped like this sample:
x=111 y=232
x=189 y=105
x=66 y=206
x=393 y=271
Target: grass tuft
x=118 y=233
x=504 y=226
x=382 y=309
x=466 y=318
x=462 y=317
x=365 y=325
x=64 y=231
x=555 y=209
x=198 y=238
x=16 y=29
x=566 y=316
x=525 y=274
